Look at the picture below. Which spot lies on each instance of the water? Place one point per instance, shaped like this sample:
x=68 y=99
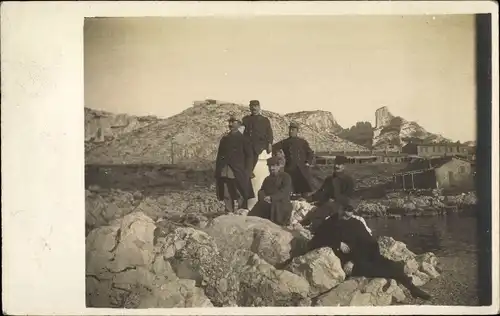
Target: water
x=445 y=236
x=453 y=240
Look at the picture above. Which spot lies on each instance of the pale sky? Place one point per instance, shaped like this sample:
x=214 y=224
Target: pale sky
x=421 y=67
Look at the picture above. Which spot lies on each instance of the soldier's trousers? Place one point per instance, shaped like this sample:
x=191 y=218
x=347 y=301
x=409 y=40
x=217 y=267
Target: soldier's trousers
x=231 y=194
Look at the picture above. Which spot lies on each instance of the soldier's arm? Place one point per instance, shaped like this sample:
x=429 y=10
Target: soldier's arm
x=321 y=195
x=248 y=153
x=269 y=132
x=284 y=190
x=218 y=159
x=245 y=123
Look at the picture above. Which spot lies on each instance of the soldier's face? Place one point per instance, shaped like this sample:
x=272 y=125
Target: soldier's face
x=293 y=132
x=338 y=169
x=233 y=125
x=255 y=109
x=274 y=169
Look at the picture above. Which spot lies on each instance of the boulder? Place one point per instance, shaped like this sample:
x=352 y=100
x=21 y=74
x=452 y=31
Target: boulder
x=125 y=269
x=321 y=268
x=263 y=285
x=300 y=210
x=179 y=293
x=193 y=254
x=370 y=209
x=360 y=291
x=231 y=278
x=151 y=208
x=341 y=295
x=420 y=268
x=261 y=236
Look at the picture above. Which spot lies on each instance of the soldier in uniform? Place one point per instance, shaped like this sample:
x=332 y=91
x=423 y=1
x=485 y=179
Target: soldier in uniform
x=274 y=196
x=258 y=130
x=338 y=187
x=298 y=157
x=359 y=251
x=233 y=167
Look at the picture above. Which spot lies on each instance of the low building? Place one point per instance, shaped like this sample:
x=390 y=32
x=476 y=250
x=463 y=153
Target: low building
x=328 y=158
x=435 y=150
x=436 y=173
x=359 y=157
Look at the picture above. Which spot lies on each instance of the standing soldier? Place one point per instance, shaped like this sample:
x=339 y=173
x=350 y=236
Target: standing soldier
x=298 y=157
x=233 y=168
x=258 y=130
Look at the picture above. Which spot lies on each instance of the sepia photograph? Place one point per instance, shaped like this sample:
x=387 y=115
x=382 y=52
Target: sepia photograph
x=250 y=158
x=280 y=161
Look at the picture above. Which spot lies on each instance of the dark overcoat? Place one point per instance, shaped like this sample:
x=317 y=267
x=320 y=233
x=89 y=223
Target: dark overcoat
x=364 y=248
x=236 y=152
x=297 y=153
x=279 y=188
x=258 y=130
x=339 y=187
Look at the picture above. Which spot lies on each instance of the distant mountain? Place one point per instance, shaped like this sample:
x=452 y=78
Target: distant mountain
x=319 y=121
x=361 y=134
x=193 y=135
x=392 y=132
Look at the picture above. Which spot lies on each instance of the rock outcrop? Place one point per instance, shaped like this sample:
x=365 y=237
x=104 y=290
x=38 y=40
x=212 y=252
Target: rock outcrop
x=101 y=126
x=321 y=268
x=392 y=132
x=230 y=262
x=122 y=271
x=421 y=268
x=193 y=136
x=319 y=121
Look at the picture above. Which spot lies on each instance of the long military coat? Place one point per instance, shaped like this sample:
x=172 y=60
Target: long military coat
x=258 y=130
x=236 y=152
x=279 y=188
x=297 y=153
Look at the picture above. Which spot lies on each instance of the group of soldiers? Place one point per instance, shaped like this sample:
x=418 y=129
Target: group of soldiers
x=332 y=222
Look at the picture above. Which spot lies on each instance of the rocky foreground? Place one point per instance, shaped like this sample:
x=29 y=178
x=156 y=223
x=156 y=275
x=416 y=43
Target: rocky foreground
x=197 y=207
x=164 y=252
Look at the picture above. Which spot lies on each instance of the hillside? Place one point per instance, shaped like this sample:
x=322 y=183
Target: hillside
x=319 y=121
x=192 y=136
x=102 y=127
x=393 y=132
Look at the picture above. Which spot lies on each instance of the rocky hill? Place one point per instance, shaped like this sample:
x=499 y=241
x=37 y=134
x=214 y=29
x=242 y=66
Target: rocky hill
x=102 y=127
x=319 y=121
x=193 y=135
x=392 y=132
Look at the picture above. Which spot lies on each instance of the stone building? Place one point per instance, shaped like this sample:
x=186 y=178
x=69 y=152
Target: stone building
x=437 y=173
x=435 y=150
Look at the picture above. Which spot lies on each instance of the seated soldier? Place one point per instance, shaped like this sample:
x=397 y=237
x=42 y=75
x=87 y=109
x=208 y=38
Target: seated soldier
x=358 y=251
x=274 y=196
x=338 y=187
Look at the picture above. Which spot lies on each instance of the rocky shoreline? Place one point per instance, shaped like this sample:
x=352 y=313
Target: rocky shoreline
x=397 y=205
x=136 y=262
x=181 y=250
x=195 y=206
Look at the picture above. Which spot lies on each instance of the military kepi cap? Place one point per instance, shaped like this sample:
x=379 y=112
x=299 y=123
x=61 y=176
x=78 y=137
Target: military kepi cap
x=254 y=102
x=294 y=125
x=273 y=161
x=233 y=118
